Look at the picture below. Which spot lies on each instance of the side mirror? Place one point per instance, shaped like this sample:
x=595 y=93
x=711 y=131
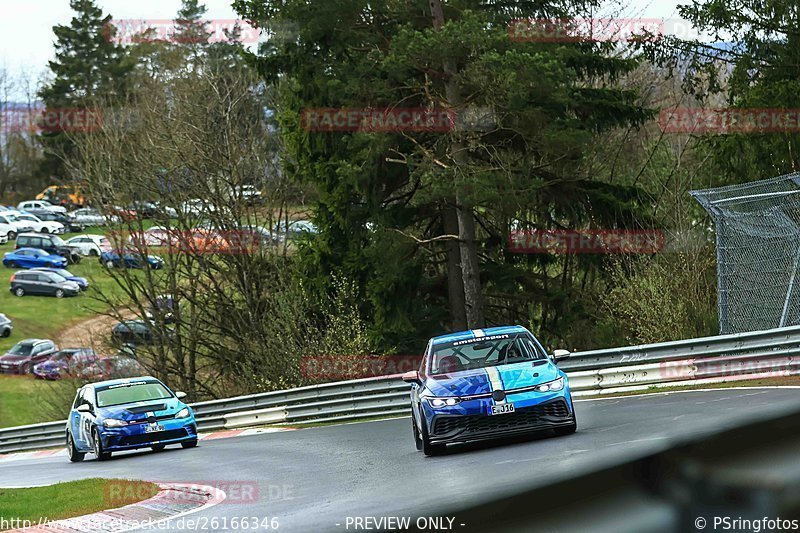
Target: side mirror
x=560 y=355
x=412 y=377
x=180 y=395
x=84 y=408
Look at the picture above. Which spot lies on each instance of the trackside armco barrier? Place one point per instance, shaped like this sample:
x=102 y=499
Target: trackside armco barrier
x=737 y=357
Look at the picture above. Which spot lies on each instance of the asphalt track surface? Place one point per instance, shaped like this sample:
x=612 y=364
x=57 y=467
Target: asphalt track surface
x=314 y=479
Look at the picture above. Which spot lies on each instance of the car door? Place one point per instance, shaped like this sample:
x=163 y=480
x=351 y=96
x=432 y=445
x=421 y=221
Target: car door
x=43 y=285
x=77 y=423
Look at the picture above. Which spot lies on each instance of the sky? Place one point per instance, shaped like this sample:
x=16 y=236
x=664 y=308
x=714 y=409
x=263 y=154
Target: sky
x=26 y=36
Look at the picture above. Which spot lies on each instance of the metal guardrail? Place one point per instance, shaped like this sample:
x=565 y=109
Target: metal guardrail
x=741 y=356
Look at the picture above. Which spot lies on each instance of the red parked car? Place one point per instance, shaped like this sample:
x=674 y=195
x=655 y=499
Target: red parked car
x=22 y=357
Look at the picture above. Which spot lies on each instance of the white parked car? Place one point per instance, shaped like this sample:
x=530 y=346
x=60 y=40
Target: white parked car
x=197 y=207
x=88 y=244
x=6 y=230
x=89 y=217
x=10 y=218
x=42 y=205
x=295 y=228
x=41 y=226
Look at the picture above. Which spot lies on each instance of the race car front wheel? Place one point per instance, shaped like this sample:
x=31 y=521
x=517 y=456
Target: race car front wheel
x=428 y=448
x=98 y=447
x=74 y=455
x=189 y=444
x=415 y=432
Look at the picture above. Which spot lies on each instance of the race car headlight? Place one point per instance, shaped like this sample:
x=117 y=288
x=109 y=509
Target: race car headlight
x=551 y=386
x=443 y=402
x=183 y=413
x=114 y=423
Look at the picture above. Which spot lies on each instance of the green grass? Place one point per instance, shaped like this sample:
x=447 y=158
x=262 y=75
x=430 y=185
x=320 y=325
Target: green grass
x=71 y=499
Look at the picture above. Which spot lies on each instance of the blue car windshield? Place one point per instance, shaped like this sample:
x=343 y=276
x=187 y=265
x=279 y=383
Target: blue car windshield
x=493 y=350
x=136 y=391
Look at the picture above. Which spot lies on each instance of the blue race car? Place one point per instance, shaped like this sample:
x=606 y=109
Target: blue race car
x=130 y=259
x=125 y=414
x=484 y=384
x=83 y=283
x=33 y=258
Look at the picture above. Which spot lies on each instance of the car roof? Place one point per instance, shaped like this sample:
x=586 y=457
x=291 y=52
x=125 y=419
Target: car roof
x=476 y=333
x=31 y=341
x=121 y=381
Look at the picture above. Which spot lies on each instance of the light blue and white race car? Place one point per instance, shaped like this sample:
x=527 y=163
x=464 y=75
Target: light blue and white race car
x=485 y=384
x=125 y=414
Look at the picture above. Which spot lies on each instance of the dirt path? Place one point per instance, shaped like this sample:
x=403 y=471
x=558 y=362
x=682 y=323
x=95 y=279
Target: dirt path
x=93 y=332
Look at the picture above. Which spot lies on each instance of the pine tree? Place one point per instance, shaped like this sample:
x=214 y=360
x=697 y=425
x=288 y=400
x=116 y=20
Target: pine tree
x=88 y=67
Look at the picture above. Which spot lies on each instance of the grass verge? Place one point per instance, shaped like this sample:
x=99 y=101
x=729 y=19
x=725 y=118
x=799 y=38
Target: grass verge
x=70 y=499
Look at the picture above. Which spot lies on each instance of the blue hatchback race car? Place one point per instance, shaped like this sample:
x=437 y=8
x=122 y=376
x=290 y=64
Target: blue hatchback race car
x=125 y=414
x=484 y=384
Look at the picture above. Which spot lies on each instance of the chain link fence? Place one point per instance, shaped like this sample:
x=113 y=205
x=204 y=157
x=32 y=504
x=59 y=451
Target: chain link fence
x=758 y=252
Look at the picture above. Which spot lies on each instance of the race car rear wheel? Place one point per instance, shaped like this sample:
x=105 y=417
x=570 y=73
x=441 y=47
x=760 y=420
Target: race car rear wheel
x=189 y=444
x=428 y=448
x=74 y=455
x=98 y=447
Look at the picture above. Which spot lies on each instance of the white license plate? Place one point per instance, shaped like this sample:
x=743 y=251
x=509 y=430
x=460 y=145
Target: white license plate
x=501 y=409
x=153 y=428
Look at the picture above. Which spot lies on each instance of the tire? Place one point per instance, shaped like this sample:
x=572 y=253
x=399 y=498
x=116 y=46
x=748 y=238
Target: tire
x=6 y=333
x=13 y=264
x=415 y=432
x=20 y=292
x=74 y=455
x=570 y=429
x=427 y=448
x=59 y=293
x=158 y=447
x=44 y=230
x=189 y=444
x=98 y=447
x=94 y=253
x=12 y=235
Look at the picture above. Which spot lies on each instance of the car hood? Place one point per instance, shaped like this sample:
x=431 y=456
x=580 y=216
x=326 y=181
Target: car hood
x=139 y=410
x=471 y=382
x=8 y=358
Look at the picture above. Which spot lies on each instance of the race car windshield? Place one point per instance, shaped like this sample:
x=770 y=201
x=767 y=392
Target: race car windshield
x=483 y=352
x=140 y=392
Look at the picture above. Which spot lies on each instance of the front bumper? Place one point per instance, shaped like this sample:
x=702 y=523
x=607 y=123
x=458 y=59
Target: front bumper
x=134 y=436
x=470 y=421
x=12 y=368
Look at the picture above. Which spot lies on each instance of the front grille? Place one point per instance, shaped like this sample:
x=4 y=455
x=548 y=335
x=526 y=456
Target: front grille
x=521 y=418
x=150 y=437
x=144 y=408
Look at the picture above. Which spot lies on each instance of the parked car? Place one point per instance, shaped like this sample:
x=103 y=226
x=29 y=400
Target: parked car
x=113 y=367
x=3 y=239
x=21 y=358
x=10 y=218
x=130 y=259
x=83 y=283
x=42 y=284
x=295 y=228
x=91 y=245
x=66 y=362
x=42 y=226
x=155 y=236
x=90 y=217
x=154 y=210
x=6 y=231
x=49 y=243
x=43 y=205
x=6 y=327
x=133 y=332
x=71 y=225
x=197 y=207
x=32 y=258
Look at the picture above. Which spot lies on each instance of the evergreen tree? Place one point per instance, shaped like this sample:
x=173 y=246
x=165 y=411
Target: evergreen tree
x=88 y=66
